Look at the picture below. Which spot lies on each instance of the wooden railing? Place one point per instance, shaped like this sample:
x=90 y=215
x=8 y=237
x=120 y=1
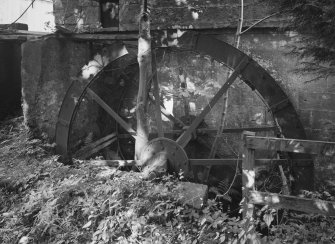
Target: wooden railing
x=252 y=197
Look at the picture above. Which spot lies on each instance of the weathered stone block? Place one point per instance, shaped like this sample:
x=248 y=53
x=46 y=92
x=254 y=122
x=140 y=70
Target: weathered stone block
x=310 y=100
x=196 y=14
x=327 y=101
x=47 y=69
x=306 y=118
x=192 y=194
x=319 y=117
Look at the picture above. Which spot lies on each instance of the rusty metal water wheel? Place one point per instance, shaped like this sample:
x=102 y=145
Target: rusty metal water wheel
x=90 y=119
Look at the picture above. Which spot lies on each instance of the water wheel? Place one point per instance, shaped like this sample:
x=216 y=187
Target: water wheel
x=97 y=114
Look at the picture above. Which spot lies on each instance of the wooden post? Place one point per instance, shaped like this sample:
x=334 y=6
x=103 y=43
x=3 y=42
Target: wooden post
x=248 y=178
x=144 y=62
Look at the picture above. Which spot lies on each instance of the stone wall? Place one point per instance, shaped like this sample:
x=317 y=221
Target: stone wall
x=77 y=15
x=85 y=15
x=48 y=67
x=197 y=14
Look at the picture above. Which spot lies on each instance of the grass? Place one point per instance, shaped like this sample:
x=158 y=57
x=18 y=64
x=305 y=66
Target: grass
x=45 y=201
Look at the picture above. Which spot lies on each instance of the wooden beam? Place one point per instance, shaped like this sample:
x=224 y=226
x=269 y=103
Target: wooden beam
x=14 y=37
x=294 y=203
x=196 y=162
x=248 y=178
x=95 y=147
x=201 y=131
x=103 y=37
x=238 y=130
x=112 y=113
x=232 y=162
x=187 y=135
x=25 y=32
x=216 y=161
x=291 y=145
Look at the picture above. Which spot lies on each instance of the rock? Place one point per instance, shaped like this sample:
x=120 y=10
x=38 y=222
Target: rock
x=106 y=174
x=24 y=240
x=192 y=194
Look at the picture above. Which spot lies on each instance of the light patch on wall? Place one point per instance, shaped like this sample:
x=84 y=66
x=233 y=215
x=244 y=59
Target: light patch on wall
x=195 y=15
x=179 y=2
x=193 y=108
x=168 y=104
x=258 y=118
x=79 y=16
x=94 y=66
x=274 y=44
x=282 y=43
x=52 y=98
x=325 y=97
x=256 y=40
x=100 y=61
x=190 y=85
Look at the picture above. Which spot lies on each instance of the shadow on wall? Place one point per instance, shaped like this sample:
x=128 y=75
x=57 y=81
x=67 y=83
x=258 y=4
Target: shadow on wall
x=10 y=78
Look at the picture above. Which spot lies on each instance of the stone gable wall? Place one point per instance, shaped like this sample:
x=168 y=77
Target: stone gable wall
x=84 y=15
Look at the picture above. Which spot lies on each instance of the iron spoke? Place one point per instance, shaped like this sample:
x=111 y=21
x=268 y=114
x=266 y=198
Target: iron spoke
x=112 y=113
x=187 y=135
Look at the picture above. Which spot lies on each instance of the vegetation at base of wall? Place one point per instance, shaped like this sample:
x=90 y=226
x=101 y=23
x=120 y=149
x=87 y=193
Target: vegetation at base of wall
x=45 y=201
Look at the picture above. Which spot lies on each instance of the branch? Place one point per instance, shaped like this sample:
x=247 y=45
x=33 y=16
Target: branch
x=261 y=20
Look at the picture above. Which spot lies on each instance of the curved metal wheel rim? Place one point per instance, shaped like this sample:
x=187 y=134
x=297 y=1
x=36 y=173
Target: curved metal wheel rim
x=70 y=107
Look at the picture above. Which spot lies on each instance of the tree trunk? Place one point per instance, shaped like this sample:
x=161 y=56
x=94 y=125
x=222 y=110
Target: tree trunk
x=144 y=62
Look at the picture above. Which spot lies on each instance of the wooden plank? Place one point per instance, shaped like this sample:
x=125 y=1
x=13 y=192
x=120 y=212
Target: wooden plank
x=103 y=145
x=15 y=37
x=294 y=203
x=101 y=36
x=201 y=131
x=95 y=147
x=112 y=113
x=291 y=145
x=187 y=135
x=285 y=188
x=259 y=163
x=25 y=32
x=238 y=130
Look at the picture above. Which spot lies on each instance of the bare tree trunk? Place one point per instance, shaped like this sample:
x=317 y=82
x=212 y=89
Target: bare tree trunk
x=144 y=62
x=226 y=96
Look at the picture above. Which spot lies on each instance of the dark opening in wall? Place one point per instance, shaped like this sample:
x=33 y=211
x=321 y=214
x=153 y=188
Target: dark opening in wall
x=10 y=78
x=109 y=13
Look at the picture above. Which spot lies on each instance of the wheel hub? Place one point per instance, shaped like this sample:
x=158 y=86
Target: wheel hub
x=177 y=157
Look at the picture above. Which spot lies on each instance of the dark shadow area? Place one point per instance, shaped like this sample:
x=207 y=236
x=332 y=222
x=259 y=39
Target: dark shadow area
x=109 y=10
x=10 y=79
